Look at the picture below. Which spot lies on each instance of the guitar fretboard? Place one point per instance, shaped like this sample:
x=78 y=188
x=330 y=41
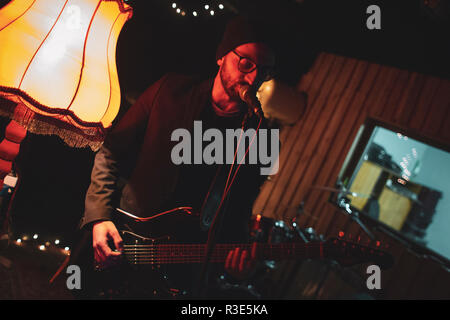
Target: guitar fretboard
x=195 y=253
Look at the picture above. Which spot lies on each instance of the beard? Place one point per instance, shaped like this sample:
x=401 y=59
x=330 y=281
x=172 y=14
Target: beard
x=230 y=85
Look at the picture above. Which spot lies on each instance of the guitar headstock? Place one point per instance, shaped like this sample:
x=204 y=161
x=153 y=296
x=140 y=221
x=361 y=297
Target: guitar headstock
x=349 y=253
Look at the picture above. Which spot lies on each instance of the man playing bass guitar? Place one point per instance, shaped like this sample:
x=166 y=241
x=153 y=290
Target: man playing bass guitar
x=135 y=168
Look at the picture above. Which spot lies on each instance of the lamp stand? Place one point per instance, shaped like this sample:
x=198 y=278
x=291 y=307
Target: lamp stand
x=9 y=149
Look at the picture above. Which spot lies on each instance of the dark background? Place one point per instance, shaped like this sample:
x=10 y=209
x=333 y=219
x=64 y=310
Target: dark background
x=414 y=36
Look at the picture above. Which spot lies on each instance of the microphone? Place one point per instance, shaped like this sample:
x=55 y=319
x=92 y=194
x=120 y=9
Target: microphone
x=249 y=97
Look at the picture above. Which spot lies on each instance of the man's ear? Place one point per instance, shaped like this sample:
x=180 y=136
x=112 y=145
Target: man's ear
x=220 y=61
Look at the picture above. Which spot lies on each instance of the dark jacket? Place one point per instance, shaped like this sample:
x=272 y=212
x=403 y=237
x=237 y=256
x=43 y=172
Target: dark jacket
x=139 y=149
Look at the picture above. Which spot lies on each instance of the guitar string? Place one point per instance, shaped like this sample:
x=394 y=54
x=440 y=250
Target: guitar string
x=155 y=256
x=187 y=259
x=193 y=253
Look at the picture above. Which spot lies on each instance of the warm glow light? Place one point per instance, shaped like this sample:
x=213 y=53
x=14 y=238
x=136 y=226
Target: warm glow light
x=178 y=10
x=42 y=247
x=212 y=12
x=194 y=13
x=220 y=6
x=19 y=240
x=183 y=13
x=56 y=241
x=57 y=61
x=35 y=236
x=206 y=7
x=67 y=248
x=174 y=5
x=281 y=101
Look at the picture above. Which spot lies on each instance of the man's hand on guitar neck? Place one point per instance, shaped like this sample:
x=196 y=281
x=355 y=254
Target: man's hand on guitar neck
x=102 y=232
x=239 y=263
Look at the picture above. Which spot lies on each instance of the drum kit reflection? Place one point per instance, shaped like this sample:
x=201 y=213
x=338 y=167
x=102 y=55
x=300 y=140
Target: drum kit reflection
x=268 y=230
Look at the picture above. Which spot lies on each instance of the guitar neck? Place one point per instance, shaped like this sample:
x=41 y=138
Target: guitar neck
x=195 y=253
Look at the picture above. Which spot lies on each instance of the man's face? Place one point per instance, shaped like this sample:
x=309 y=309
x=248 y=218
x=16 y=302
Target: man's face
x=235 y=65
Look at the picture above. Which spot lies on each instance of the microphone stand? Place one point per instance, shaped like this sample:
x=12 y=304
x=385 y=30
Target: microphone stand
x=255 y=106
x=212 y=239
x=354 y=215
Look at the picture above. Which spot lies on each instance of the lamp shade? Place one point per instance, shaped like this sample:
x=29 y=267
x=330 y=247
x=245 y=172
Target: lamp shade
x=57 y=64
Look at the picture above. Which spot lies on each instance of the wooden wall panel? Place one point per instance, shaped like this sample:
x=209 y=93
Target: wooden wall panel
x=342 y=93
x=438 y=109
x=330 y=70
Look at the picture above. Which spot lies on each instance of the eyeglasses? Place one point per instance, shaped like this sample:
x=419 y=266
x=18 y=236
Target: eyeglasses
x=247 y=65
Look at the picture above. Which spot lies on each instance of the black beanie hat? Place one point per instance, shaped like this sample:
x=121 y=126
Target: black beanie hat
x=242 y=30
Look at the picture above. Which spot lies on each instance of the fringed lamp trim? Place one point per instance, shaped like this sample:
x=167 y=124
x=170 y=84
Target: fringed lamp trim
x=71 y=133
x=20 y=96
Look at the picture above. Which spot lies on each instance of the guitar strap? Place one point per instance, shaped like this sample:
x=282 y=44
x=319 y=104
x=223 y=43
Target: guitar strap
x=214 y=209
x=217 y=190
x=214 y=196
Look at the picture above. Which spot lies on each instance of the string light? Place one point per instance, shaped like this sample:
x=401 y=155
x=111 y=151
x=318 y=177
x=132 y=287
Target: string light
x=195 y=13
x=42 y=247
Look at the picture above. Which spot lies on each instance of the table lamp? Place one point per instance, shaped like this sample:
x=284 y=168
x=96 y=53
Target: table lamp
x=58 y=72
